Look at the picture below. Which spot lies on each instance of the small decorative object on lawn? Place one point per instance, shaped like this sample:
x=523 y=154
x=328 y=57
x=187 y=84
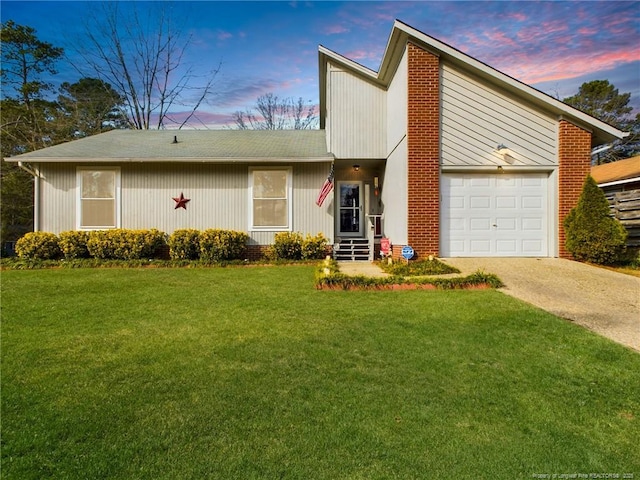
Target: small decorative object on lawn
x=181 y=202
x=407 y=252
x=385 y=247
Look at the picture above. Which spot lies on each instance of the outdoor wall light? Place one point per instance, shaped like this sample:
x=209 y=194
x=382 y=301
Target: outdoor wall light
x=502 y=149
x=356 y=168
x=500 y=169
x=505 y=153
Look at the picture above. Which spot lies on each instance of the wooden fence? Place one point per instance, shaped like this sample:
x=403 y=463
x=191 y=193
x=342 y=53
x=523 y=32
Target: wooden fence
x=625 y=206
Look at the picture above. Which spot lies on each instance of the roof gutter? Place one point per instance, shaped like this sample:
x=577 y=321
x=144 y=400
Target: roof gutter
x=619 y=182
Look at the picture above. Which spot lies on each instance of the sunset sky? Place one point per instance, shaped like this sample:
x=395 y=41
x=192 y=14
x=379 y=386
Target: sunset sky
x=272 y=46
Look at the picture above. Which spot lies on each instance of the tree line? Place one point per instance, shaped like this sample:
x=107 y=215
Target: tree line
x=133 y=76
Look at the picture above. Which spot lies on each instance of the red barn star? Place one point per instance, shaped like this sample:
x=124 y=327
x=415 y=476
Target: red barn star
x=181 y=202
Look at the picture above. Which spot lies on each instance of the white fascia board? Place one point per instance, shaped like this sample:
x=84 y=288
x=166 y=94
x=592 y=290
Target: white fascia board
x=350 y=64
x=619 y=182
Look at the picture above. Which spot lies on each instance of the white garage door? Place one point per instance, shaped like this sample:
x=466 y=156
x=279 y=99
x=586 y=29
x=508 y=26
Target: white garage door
x=501 y=215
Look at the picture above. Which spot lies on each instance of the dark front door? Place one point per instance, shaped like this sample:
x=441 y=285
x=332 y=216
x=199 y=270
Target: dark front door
x=350 y=209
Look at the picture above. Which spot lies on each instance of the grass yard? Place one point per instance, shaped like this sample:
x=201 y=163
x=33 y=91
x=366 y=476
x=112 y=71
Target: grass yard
x=243 y=373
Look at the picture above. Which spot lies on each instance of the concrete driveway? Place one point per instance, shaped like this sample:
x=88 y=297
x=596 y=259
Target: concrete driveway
x=601 y=300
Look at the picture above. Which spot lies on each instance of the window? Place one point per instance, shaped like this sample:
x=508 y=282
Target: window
x=98 y=203
x=270 y=199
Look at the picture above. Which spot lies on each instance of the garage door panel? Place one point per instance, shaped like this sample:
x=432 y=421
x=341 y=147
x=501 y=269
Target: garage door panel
x=505 y=181
x=532 y=224
x=478 y=182
x=477 y=201
x=506 y=224
x=458 y=224
x=480 y=247
x=507 y=246
x=531 y=181
x=506 y=202
x=456 y=202
x=532 y=247
x=532 y=202
x=494 y=215
x=480 y=224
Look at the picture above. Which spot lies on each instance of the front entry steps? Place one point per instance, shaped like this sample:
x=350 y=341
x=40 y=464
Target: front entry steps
x=351 y=249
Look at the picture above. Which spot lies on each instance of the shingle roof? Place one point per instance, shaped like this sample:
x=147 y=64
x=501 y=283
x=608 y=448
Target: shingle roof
x=617 y=171
x=192 y=145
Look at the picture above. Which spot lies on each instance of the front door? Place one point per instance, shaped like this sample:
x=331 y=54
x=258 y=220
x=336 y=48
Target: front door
x=350 y=213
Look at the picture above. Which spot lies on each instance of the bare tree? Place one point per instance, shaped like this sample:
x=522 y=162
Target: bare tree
x=274 y=113
x=143 y=59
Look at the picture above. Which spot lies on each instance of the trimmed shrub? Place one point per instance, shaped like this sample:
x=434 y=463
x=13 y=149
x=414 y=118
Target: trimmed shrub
x=592 y=235
x=314 y=247
x=287 y=246
x=121 y=244
x=184 y=244
x=38 y=246
x=222 y=245
x=73 y=244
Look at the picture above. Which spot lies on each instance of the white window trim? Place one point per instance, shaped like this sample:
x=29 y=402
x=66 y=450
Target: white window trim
x=79 y=171
x=281 y=228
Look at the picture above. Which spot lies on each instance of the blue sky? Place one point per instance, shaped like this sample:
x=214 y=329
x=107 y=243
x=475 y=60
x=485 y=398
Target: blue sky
x=272 y=46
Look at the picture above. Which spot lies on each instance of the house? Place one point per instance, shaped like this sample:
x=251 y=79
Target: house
x=620 y=182
x=436 y=150
x=231 y=179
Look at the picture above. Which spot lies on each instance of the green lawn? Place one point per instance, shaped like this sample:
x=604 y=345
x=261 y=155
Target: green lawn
x=237 y=373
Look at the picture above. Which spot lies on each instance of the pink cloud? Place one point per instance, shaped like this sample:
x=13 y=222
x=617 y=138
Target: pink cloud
x=362 y=54
x=335 y=29
x=539 y=69
x=516 y=16
x=222 y=35
x=587 y=31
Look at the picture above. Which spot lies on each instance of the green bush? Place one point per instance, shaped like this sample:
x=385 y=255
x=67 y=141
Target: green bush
x=314 y=247
x=287 y=246
x=124 y=244
x=38 y=246
x=419 y=267
x=184 y=244
x=592 y=235
x=73 y=244
x=222 y=245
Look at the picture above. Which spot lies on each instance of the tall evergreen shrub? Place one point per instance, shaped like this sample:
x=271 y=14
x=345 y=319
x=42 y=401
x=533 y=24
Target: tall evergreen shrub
x=592 y=235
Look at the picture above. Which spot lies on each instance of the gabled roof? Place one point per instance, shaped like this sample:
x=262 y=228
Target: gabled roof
x=403 y=33
x=619 y=172
x=221 y=146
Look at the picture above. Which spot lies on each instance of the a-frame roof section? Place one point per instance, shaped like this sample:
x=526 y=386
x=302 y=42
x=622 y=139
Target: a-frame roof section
x=402 y=33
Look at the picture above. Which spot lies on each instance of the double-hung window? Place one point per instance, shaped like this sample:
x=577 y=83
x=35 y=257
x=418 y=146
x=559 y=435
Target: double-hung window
x=99 y=198
x=270 y=198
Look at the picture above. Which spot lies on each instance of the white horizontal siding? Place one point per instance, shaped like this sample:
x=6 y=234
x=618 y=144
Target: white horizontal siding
x=356 y=116
x=218 y=198
x=476 y=118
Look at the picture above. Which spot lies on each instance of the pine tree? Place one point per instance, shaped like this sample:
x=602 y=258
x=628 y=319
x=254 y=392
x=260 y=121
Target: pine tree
x=592 y=235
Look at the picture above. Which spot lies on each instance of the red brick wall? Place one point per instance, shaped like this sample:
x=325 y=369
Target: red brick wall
x=423 y=142
x=574 y=156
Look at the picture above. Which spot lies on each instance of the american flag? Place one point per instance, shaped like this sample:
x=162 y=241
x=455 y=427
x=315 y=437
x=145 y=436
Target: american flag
x=326 y=188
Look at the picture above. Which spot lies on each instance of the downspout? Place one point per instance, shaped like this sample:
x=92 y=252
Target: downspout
x=36 y=193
